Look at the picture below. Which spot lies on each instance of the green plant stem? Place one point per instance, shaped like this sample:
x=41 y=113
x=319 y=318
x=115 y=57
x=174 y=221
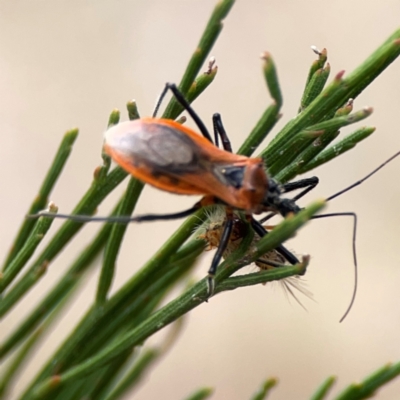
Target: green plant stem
x=197 y=89
x=318 y=145
x=323 y=390
x=315 y=86
x=23 y=354
x=121 y=303
x=41 y=199
x=16 y=363
x=134 y=375
x=126 y=207
x=105 y=377
x=316 y=65
x=261 y=277
x=210 y=35
x=201 y=394
x=200 y=84
x=17 y=263
x=178 y=307
x=94 y=196
x=292 y=170
x=337 y=93
x=130 y=316
x=64 y=288
x=294 y=157
x=346 y=144
x=271 y=114
x=264 y=126
x=133 y=112
x=145 y=360
x=271 y=78
x=265 y=389
x=114 y=242
x=367 y=388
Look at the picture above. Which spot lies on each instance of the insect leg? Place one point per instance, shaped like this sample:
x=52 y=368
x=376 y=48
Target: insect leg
x=219 y=253
x=185 y=104
x=308 y=183
x=116 y=219
x=219 y=130
x=160 y=100
x=260 y=230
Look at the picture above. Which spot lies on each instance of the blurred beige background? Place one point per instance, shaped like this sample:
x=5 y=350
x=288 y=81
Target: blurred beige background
x=67 y=64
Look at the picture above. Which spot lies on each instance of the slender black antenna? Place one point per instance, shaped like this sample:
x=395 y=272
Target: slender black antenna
x=363 y=179
x=299 y=184
x=355 y=225
x=354 y=215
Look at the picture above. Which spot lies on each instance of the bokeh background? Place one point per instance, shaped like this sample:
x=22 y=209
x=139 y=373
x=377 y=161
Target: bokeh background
x=66 y=64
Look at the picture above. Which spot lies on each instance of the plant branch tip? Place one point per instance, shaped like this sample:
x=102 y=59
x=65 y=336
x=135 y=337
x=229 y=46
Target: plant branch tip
x=181 y=120
x=305 y=260
x=368 y=109
x=211 y=66
x=265 y=55
x=315 y=50
x=51 y=206
x=339 y=75
x=50 y=211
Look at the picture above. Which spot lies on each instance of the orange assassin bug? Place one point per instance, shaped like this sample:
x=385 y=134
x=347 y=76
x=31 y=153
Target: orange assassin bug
x=176 y=159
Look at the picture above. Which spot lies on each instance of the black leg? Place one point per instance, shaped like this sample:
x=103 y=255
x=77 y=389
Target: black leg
x=216 y=134
x=260 y=230
x=185 y=104
x=219 y=253
x=160 y=100
x=117 y=220
x=308 y=183
x=219 y=130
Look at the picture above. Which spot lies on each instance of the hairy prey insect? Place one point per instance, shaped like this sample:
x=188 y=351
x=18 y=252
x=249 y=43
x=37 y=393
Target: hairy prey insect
x=211 y=231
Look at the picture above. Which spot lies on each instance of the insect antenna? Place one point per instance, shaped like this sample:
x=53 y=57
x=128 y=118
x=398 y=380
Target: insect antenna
x=354 y=215
x=365 y=178
x=298 y=184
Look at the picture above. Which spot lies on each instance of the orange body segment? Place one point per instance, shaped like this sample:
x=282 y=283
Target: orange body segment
x=176 y=159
